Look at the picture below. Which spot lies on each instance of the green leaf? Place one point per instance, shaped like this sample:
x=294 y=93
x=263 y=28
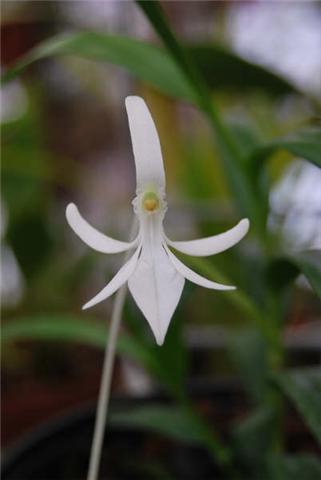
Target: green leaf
x=154 y=12
x=25 y=164
x=174 y=76
x=172 y=357
x=247 y=350
x=299 y=467
x=70 y=328
x=245 y=137
x=170 y=361
x=145 y=61
x=55 y=327
x=245 y=196
x=180 y=423
x=220 y=68
x=238 y=297
x=303 y=387
x=170 y=367
x=172 y=421
x=224 y=69
x=31 y=241
x=306 y=145
x=252 y=438
x=280 y=273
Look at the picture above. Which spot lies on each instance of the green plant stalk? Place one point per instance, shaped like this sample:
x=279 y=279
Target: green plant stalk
x=106 y=377
x=239 y=182
x=239 y=298
x=221 y=454
x=70 y=328
x=276 y=357
x=269 y=324
x=245 y=193
x=156 y=16
x=105 y=386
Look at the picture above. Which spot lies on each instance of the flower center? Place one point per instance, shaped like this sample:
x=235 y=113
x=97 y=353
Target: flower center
x=150 y=202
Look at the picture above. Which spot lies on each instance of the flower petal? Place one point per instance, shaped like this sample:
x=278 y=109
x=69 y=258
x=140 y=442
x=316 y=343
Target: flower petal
x=156 y=287
x=215 y=244
x=146 y=146
x=92 y=237
x=117 y=281
x=193 y=276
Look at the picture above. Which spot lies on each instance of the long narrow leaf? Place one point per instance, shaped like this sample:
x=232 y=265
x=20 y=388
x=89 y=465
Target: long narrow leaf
x=182 y=424
x=69 y=328
x=220 y=68
x=224 y=69
x=306 y=145
x=143 y=60
x=171 y=421
x=247 y=350
x=298 y=467
x=238 y=298
x=246 y=200
x=303 y=387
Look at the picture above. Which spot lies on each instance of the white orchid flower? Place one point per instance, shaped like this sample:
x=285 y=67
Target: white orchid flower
x=154 y=274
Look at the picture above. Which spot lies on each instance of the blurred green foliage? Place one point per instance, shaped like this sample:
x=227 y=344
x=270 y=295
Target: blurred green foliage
x=192 y=73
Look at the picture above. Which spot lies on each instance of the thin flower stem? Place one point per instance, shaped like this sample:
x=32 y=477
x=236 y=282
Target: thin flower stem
x=104 y=392
x=106 y=378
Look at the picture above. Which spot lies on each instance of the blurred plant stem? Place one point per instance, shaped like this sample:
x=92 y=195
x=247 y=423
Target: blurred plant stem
x=221 y=454
x=247 y=199
x=239 y=298
x=105 y=385
x=276 y=358
x=268 y=320
x=107 y=374
x=244 y=194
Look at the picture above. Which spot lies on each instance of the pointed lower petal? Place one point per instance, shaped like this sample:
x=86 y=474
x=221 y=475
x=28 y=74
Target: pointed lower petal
x=211 y=245
x=156 y=287
x=195 y=277
x=119 y=279
x=92 y=237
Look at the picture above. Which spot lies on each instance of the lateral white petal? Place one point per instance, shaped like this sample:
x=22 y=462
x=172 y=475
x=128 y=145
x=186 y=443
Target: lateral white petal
x=92 y=237
x=146 y=146
x=195 y=277
x=156 y=287
x=116 y=282
x=215 y=244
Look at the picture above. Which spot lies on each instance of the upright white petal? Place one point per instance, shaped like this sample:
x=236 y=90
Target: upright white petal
x=195 y=277
x=117 y=281
x=146 y=146
x=92 y=237
x=156 y=285
x=217 y=243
